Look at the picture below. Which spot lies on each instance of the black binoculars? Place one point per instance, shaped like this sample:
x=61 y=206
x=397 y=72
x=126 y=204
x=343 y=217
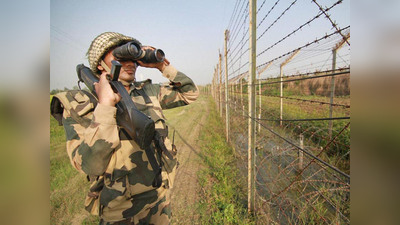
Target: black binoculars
x=133 y=51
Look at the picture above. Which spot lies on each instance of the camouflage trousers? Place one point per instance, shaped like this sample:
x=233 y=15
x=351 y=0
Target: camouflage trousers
x=159 y=214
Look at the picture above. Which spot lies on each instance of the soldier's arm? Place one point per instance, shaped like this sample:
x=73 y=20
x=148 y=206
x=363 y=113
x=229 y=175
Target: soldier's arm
x=90 y=149
x=181 y=91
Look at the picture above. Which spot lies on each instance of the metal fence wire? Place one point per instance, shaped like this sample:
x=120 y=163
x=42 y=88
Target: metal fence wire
x=301 y=111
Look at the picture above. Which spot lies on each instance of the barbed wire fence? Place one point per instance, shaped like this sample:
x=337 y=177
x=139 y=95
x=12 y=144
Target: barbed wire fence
x=284 y=96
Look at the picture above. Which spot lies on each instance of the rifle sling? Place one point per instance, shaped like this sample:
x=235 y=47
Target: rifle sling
x=156 y=167
x=159 y=141
x=150 y=156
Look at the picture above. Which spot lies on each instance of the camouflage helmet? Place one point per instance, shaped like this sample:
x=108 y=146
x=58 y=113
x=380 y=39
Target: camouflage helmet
x=103 y=43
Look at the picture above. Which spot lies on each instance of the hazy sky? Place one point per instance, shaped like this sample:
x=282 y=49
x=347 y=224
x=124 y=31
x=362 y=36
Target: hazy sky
x=189 y=32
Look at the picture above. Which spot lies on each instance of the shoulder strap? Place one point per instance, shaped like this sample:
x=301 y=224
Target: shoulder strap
x=146 y=98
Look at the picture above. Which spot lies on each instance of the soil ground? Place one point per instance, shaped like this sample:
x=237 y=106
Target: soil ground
x=187 y=122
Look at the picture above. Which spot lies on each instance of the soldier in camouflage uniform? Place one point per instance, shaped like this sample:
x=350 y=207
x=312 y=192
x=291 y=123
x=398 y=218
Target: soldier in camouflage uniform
x=122 y=190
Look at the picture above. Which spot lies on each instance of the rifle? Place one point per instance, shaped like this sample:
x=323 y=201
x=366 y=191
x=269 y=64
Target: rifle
x=138 y=126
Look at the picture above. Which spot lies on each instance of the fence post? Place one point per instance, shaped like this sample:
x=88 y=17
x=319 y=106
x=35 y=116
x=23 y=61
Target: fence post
x=332 y=92
x=301 y=152
x=212 y=85
x=260 y=90
x=220 y=86
x=215 y=85
x=251 y=93
x=282 y=65
x=226 y=86
x=234 y=93
x=259 y=97
x=281 y=95
x=216 y=88
x=241 y=91
x=334 y=51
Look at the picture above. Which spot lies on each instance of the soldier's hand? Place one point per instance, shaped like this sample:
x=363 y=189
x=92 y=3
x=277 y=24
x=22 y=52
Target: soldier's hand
x=159 y=65
x=105 y=93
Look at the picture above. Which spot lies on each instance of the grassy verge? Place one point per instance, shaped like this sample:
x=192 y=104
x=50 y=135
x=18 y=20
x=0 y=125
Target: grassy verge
x=222 y=196
x=68 y=188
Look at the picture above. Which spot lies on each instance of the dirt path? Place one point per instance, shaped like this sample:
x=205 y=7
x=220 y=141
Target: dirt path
x=187 y=122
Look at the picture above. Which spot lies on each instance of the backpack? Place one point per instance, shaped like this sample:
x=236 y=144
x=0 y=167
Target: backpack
x=77 y=102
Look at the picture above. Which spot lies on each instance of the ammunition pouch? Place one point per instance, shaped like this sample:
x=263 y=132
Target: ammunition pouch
x=92 y=201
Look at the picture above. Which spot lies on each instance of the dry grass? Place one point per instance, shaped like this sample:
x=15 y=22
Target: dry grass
x=320 y=86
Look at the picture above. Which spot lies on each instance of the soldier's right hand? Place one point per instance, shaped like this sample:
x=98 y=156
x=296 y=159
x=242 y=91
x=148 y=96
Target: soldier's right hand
x=104 y=91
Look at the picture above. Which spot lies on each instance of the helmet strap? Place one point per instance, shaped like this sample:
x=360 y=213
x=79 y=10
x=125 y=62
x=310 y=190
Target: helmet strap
x=104 y=65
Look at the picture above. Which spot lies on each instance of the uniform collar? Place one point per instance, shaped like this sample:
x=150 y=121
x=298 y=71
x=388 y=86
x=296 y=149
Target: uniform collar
x=140 y=84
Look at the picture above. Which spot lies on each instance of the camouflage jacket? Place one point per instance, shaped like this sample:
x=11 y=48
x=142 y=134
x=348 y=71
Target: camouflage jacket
x=123 y=187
